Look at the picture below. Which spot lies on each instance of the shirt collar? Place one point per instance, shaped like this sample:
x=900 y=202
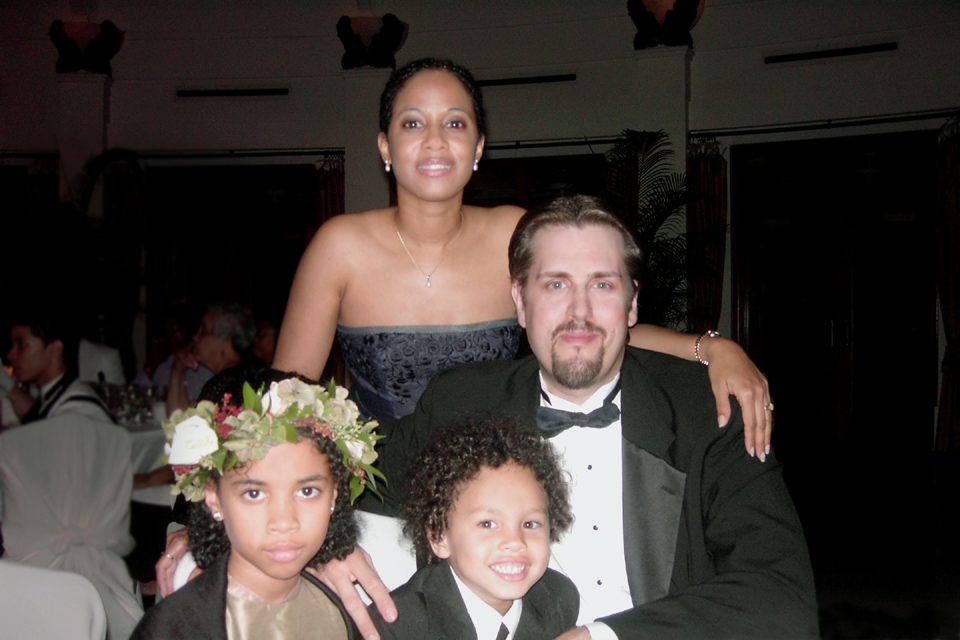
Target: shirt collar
x=593 y=402
x=486 y=620
x=45 y=389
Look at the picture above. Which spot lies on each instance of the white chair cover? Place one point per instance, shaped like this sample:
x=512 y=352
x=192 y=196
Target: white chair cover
x=66 y=505
x=42 y=604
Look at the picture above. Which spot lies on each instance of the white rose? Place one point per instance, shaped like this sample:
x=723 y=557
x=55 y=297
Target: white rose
x=360 y=452
x=288 y=391
x=343 y=410
x=300 y=392
x=273 y=402
x=192 y=440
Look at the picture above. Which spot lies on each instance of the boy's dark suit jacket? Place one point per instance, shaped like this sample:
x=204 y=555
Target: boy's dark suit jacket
x=198 y=610
x=431 y=608
x=713 y=544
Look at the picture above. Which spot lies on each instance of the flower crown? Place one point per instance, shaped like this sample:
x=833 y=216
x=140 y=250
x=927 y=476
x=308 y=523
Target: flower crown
x=217 y=438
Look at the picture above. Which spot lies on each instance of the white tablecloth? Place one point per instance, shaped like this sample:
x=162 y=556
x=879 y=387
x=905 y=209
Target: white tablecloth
x=146 y=448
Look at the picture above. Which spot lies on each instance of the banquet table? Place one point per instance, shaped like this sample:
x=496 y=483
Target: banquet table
x=147 y=441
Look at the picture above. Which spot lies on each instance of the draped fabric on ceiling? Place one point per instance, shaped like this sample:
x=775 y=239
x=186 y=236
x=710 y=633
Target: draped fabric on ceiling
x=706 y=232
x=948 y=281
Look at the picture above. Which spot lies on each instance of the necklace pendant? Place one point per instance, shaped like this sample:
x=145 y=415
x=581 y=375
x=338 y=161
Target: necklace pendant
x=428 y=282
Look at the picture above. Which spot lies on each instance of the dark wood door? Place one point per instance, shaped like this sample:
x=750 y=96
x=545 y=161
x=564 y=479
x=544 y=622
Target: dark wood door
x=834 y=298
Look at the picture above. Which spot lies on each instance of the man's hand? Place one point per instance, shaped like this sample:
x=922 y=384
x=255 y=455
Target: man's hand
x=183 y=360
x=577 y=633
x=159 y=476
x=20 y=400
x=733 y=373
x=340 y=575
x=176 y=546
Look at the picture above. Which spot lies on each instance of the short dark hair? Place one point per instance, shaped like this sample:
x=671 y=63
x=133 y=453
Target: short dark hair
x=235 y=323
x=208 y=537
x=398 y=79
x=445 y=467
x=573 y=211
x=49 y=324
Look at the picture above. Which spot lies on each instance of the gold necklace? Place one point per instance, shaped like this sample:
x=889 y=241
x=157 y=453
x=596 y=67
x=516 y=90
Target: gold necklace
x=442 y=255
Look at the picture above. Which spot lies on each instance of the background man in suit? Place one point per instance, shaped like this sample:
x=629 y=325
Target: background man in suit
x=43 y=352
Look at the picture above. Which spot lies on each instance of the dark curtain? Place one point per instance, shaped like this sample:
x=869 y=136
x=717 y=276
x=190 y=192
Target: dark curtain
x=330 y=203
x=706 y=232
x=123 y=248
x=948 y=281
x=330 y=189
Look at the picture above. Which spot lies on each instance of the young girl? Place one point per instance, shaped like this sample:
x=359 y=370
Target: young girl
x=485 y=503
x=272 y=484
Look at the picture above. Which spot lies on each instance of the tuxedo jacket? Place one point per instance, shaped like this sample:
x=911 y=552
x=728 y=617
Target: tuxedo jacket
x=68 y=395
x=431 y=608
x=198 y=610
x=712 y=541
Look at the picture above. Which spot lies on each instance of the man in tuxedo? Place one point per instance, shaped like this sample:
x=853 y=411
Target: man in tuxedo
x=43 y=352
x=679 y=533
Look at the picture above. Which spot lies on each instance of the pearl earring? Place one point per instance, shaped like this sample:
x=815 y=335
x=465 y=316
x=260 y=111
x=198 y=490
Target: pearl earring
x=476 y=165
x=386 y=166
x=217 y=516
x=331 y=508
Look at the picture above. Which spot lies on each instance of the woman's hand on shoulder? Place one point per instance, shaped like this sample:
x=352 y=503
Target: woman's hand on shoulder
x=340 y=576
x=177 y=546
x=732 y=372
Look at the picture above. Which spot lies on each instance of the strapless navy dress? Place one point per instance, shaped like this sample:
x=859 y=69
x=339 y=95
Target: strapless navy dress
x=391 y=366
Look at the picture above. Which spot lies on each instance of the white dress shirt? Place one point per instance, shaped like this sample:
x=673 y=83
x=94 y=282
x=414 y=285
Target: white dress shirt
x=591 y=552
x=486 y=620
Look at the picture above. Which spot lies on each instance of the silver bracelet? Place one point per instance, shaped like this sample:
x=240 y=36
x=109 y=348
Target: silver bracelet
x=696 y=347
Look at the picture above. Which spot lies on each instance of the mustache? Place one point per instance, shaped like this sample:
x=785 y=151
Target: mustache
x=584 y=326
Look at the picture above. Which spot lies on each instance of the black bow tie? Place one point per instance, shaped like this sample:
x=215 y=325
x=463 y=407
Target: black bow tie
x=552 y=421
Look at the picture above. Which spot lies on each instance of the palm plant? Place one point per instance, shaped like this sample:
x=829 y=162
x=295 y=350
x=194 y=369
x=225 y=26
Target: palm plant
x=641 y=187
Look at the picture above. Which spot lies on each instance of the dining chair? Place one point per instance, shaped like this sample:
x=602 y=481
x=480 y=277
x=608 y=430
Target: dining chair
x=67 y=483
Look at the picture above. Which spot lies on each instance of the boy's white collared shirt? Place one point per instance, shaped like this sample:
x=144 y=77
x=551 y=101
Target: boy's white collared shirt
x=486 y=620
x=591 y=552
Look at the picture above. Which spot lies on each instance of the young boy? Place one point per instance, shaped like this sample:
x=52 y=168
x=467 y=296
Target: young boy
x=484 y=505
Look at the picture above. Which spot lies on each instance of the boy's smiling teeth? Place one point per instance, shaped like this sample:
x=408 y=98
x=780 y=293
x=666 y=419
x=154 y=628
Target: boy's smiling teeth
x=509 y=568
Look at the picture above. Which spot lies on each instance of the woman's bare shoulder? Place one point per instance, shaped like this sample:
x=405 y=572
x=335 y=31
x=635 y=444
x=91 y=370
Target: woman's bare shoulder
x=506 y=213
x=503 y=219
x=346 y=230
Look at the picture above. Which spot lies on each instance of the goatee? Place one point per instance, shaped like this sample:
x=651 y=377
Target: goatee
x=577 y=372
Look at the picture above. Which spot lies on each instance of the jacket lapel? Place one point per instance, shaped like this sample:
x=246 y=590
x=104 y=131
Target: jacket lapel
x=534 y=617
x=446 y=613
x=652 y=489
x=650 y=484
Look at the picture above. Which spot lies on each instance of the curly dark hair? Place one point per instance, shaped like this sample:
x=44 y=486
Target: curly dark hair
x=398 y=79
x=445 y=467
x=208 y=537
